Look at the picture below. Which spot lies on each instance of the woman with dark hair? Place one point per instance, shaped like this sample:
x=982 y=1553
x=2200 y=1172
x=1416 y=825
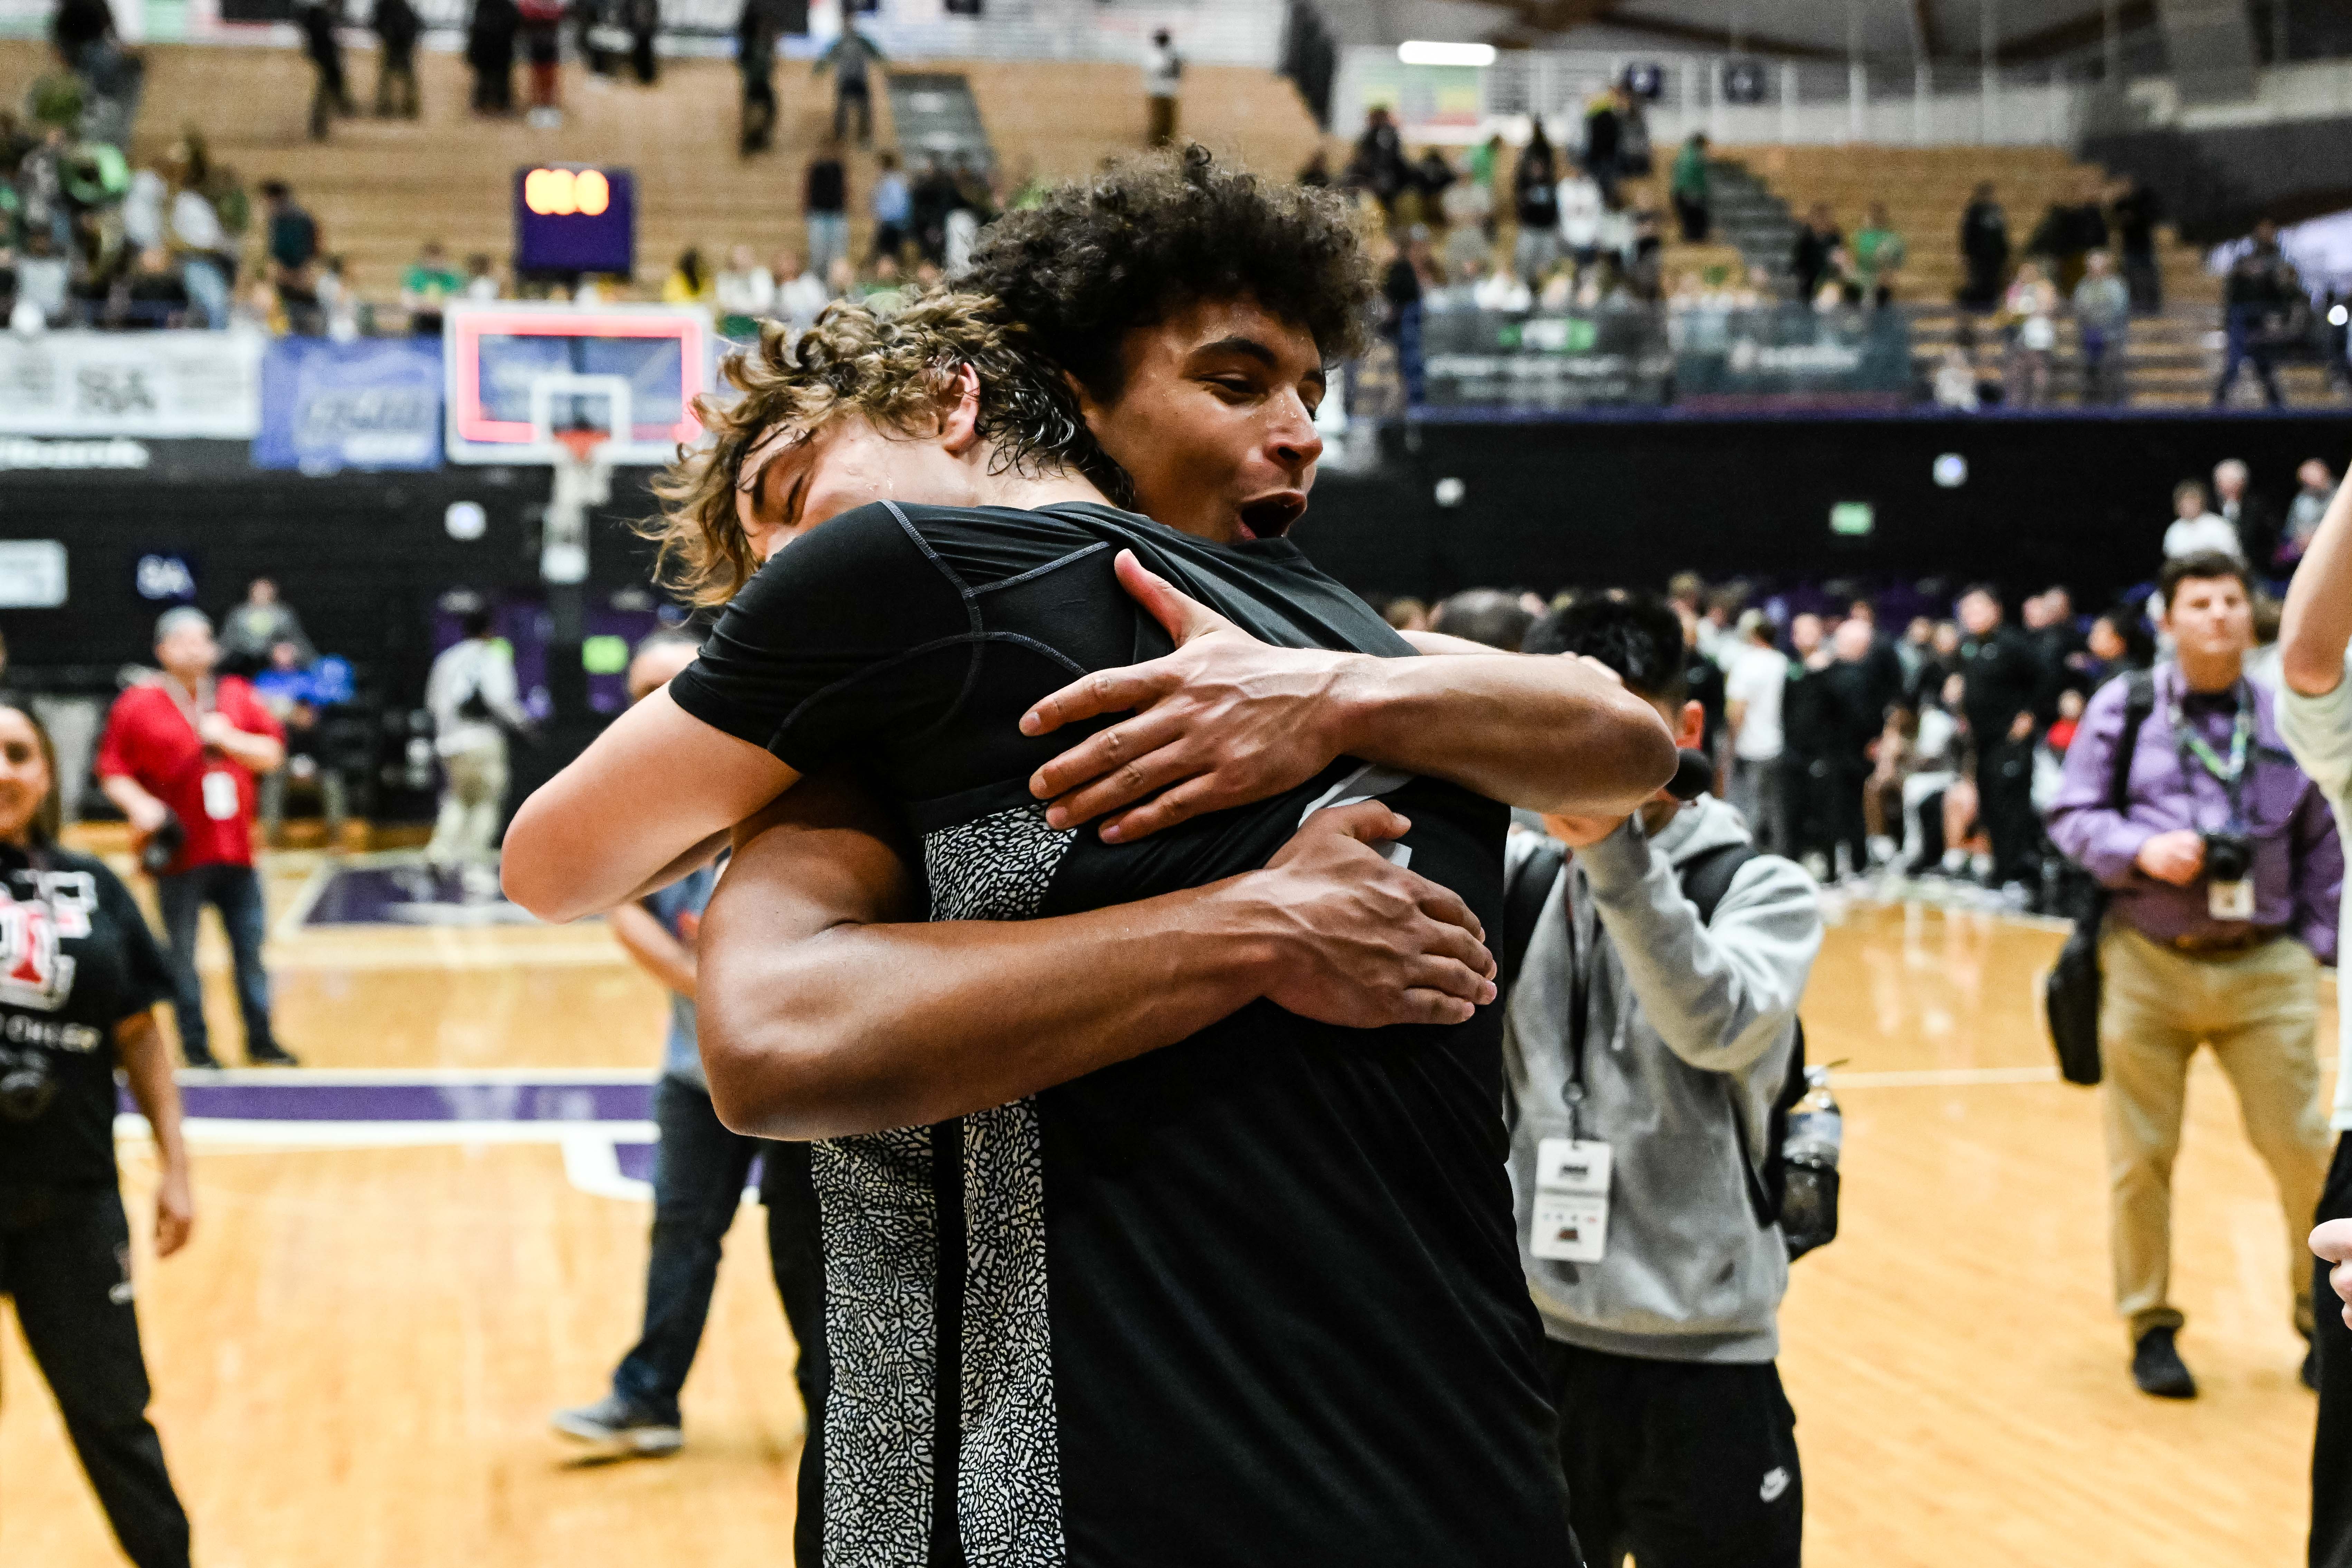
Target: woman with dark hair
x=83 y=976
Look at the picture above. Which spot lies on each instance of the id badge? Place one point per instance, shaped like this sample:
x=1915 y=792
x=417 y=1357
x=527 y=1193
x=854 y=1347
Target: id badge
x=220 y=795
x=1572 y=1206
x=2230 y=901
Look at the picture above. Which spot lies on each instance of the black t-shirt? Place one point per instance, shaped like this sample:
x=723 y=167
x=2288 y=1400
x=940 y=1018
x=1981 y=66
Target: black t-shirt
x=1251 y=1299
x=76 y=959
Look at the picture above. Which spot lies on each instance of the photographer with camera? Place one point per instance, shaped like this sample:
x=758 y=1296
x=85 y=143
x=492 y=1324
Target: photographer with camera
x=2225 y=873
x=79 y=978
x=471 y=693
x=179 y=760
x=1649 y=1047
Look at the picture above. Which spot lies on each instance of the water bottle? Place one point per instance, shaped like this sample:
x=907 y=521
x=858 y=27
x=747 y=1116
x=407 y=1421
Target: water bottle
x=1809 y=1158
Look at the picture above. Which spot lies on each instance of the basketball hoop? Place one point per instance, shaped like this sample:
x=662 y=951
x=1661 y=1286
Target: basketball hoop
x=583 y=443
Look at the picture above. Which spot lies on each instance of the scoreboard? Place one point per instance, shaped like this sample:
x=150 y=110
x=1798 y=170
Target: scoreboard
x=570 y=217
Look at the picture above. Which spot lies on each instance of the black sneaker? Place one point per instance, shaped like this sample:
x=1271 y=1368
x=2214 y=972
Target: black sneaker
x=199 y=1056
x=618 y=1422
x=2157 y=1368
x=270 y=1054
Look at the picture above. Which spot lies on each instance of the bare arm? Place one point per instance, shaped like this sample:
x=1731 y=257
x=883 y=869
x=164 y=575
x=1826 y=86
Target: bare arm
x=648 y=791
x=820 y=1020
x=145 y=1064
x=647 y=941
x=2316 y=622
x=261 y=754
x=140 y=808
x=1226 y=718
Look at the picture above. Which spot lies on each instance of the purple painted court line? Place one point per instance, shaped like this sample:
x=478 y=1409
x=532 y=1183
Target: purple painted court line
x=404 y=895
x=636 y=1161
x=296 y=1097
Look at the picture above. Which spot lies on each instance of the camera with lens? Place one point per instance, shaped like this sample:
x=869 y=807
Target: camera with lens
x=2229 y=856
x=26 y=1084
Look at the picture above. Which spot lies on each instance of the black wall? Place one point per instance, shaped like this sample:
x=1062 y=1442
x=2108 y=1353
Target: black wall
x=2078 y=500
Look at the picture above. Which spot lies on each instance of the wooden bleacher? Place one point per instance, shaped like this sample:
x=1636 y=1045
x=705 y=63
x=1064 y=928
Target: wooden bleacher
x=379 y=188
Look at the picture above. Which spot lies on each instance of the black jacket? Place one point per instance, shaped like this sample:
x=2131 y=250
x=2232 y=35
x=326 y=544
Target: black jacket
x=2005 y=677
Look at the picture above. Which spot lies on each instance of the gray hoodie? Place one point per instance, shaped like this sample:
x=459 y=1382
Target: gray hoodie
x=1675 y=1011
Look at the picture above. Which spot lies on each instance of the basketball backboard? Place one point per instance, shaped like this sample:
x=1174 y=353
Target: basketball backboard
x=519 y=372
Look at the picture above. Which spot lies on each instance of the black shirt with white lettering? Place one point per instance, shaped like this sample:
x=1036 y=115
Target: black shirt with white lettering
x=1251 y=1299
x=76 y=959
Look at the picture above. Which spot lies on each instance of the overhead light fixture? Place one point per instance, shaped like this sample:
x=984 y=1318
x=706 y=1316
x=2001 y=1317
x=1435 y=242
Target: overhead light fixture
x=1422 y=52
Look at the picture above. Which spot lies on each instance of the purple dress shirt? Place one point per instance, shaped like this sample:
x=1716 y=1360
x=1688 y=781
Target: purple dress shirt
x=2298 y=863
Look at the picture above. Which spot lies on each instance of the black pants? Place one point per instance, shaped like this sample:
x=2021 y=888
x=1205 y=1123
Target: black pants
x=759 y=112
x=2331 y=1447
x=1692 y=212
x=1682 y=1464
x=2005 y=806
x=1842 y=780
x=64 y=1256
x=845 y=93
x=395 y=82
x=796 y=1252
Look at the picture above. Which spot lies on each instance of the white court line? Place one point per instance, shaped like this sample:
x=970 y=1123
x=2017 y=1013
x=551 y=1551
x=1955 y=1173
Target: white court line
x=374 y=1077
x=212 y=1131
x=1941 y=1077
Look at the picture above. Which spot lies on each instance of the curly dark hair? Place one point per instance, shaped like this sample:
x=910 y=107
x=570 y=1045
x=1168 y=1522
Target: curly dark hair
x=1155 y=233
x=894 y=368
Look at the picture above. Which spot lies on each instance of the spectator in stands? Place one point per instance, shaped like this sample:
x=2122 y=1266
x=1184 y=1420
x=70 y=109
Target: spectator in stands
x=1582 y=213
x=2196 y=530
x=801 y=294
x=689 y=282
x=1536 y=197
x=883 y=290
x=543 y=38
x=429 y=283
x=1604 y=140
x=207 y=253
x=1163 y=78
x=2058 y=641
x=1675 y=1434
x=2070 y=231
x=2257 y=297
x=1690 y=188
x=930 y=197
x=293 y=236
x=150 y=295
x=2189 y=954
x=1433 y=177
x=894 y=208
x=642 y=20
x=2255 y=520
x=472 y=695
x=824 y=203
x=1402 y=291
x=1753 y=686
x=1856 y=692
x=2102 y=318
x=329 y=96
x=2138 y=210
x=1956 y=382
x=2004 y=690
x=259 y=625
x=490 y=53
x=1503 y=290
x=1378 y=164
x=1487 y=615
x=1811 y=259
x=850 y=58
x=1878 y=255
x=744 y=293
x=1984 y=248
x=178 y=760
x=1805 y=724
x=2030 y=316
x=756 y=32
x=2305 y=513
x=482 y=279
x=396 y=26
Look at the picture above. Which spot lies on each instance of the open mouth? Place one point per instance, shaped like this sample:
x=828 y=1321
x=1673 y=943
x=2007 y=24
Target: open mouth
x=1270 y=517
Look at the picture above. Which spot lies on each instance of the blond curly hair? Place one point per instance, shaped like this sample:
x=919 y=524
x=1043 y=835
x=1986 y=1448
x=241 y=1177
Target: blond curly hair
x=895 y=369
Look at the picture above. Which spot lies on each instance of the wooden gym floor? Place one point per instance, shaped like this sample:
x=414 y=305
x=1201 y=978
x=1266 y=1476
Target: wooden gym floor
x=355 y=1357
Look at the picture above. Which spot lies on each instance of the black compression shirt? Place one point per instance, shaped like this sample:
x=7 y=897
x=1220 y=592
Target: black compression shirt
x=1251 y=1299
x=76 y=959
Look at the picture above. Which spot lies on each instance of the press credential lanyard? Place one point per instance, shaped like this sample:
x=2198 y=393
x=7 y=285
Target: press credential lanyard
x=1571 y=1223
x=2224 y=901
x=220 y=785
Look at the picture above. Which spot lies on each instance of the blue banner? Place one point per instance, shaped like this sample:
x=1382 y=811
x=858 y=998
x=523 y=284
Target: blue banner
x=374 y=403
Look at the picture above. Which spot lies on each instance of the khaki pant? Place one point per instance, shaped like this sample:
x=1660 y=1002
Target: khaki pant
x=473 y=799
x=2259 y=1010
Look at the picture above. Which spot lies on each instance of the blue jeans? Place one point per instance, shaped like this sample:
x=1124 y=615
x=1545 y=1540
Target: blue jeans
x=235 y=892
x=207 y=287
x=699 y=1173
x=2243 y=331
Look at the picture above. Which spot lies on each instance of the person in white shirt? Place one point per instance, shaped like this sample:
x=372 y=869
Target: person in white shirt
x=2315 y=719
x=1501 y=289
x=1581 y=211
x=471 y=695
x=2196 y=528
x=1753 y=686
x=1163 y=71
x=744 y=288
x=801 y=294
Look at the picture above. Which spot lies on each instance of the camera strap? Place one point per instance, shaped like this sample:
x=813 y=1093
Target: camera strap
x=2191 y=746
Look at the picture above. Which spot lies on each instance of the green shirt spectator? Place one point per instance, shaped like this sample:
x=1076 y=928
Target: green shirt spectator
x=1878 y=253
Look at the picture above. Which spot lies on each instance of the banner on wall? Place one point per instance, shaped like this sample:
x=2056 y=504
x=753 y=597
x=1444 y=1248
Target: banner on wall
x=1492 y=361
x=373 y=402
x=188 y=384
x=1792 y=356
